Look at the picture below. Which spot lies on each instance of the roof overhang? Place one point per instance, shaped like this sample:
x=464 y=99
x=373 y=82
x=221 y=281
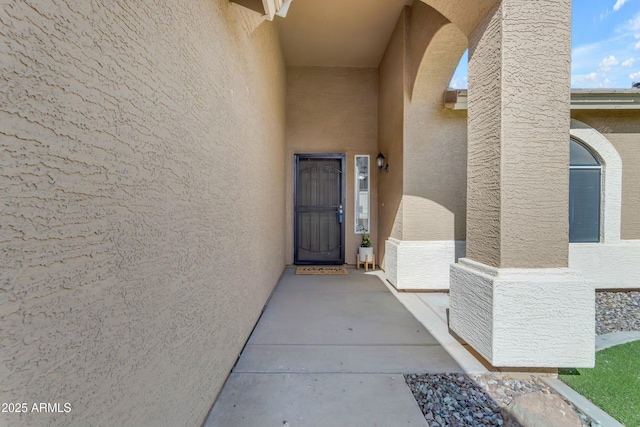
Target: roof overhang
x=581 y=99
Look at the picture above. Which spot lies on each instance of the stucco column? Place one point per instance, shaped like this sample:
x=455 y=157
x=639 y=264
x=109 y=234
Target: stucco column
x=513 y=298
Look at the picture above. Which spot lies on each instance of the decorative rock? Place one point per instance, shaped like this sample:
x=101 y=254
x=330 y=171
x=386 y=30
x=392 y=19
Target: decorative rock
x=455 y=400
x=539 y=410
x=617 y=311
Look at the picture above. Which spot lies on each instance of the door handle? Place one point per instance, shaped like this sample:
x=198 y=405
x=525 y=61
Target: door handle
x=340 y=214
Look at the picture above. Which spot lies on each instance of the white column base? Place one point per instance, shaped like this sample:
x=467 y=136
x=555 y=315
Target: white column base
x=421 y=265
x=535 y=318
x=608 y=265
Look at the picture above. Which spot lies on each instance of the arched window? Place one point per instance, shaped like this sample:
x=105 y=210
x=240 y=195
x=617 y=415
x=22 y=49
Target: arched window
x=584 y=194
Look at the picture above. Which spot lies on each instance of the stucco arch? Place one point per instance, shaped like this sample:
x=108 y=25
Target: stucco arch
x=434 y=137
x=435 y=48
x=465 y=14
x=611 y=206
x=438 y=63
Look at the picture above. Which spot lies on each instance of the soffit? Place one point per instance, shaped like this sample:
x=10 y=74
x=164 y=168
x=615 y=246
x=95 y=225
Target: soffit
x=341 y=33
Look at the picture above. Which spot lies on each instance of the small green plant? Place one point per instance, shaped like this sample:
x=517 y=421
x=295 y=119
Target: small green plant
x=366 y=241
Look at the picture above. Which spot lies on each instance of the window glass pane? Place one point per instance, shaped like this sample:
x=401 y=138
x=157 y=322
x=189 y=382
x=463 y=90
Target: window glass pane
x=581 y=156
x=584 y=205
x=362 y=194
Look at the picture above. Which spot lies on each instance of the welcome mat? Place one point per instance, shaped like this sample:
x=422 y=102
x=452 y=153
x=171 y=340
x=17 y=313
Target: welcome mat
x=326 y=269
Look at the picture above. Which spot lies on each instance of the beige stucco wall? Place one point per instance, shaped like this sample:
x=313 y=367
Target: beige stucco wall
x=332 y=110
x=424 y=193
x=622 y=129
x=391 y=133
x=142 y=174
x=435 y=142
x=484 y=140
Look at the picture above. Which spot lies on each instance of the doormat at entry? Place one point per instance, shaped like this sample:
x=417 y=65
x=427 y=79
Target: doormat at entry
x=330 y=269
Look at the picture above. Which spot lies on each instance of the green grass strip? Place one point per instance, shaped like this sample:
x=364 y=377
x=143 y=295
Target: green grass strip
x=614 y=384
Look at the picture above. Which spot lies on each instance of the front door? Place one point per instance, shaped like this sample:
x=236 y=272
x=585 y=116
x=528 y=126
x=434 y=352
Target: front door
x=319 y=209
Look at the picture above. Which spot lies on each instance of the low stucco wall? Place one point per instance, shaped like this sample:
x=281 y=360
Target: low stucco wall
x=333 y=110
x=142 y=171
x=421 y=265
x=608 y=265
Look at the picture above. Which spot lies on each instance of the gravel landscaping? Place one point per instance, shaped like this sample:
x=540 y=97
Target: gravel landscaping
x=456 y=400
x=475 y=400
x=453 y=400
x=617 y=311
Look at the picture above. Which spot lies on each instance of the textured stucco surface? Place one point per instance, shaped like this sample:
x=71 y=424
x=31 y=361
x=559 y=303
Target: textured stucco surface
x=424 y=23
x=424 y=199
x=333 y=110
x=608 y=265
x=524 y=317
x=519 y=86
x=142 y=175
x=391 y=133
x=435 y=149
x=421 y=265
x=484 y=130
x=622 y=129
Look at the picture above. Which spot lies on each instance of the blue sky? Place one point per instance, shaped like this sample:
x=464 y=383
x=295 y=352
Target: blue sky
x=605 y=45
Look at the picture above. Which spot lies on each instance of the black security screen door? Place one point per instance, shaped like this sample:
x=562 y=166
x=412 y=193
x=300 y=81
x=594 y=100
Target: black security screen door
x=319 y=209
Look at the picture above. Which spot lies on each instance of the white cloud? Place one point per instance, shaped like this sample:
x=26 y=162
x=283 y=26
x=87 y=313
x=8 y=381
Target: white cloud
x=585 y=78
x=638 y=46
x=459 y=83
x=607 y=63
x=605 y=83
x=628 y=63
x=633 y=24
x=635 y=76
x=619 y=4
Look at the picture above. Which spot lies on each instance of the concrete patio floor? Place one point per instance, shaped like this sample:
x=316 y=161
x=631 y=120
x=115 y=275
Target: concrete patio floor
x=330 y=350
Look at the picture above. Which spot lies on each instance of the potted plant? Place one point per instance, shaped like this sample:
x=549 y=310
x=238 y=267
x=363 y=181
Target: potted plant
x=365 y=248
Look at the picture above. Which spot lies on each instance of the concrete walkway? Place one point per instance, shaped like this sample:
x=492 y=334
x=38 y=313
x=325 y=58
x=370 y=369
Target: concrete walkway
x=616 y=338
x=330 y=351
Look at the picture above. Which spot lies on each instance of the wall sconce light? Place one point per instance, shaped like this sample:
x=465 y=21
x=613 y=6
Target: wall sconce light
x=380 y=160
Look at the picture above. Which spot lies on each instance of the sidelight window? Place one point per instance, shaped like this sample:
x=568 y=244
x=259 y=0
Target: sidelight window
x=362 y=192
